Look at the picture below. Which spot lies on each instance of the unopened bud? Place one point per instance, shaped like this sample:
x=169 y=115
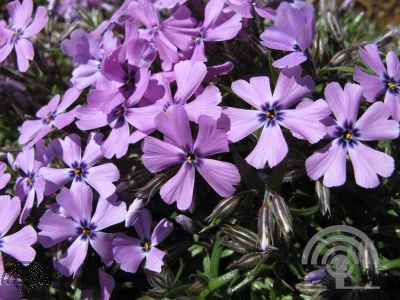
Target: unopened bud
x=368 y=259
x=387 y=38
x=161 y=280
x=242 y=236
x=151 y=188
x=265 y=226
x=316 y=276
x=282 y=215
x=249 y=261
x=185 y=222
x=224 y=208
x=333 y=26
x=324 y=197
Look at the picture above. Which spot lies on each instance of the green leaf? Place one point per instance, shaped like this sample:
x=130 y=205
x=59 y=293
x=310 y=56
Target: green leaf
x=179 y=272
x=215 y=258
x=222 y=280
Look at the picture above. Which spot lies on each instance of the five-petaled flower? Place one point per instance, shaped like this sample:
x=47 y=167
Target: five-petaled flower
x=348 y=135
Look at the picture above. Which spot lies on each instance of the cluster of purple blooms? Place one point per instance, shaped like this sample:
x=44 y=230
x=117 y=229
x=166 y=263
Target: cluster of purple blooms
x=132 y=103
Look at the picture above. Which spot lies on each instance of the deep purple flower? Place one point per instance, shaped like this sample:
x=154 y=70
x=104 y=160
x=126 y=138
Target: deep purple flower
x=79 y=225
x=316 y=276
x=178 y=148
x=168 y=35
x=54 y=113
x=387 y=80
x=20 y=29
x=217 y=27
x=121 y=82
x=18 y=244
x=348 y=135
x=4 y=177
x=82 y=169
x=188 y=76
x=31 y=183
x=273 y=111
x=293 y=31
x=129 y=252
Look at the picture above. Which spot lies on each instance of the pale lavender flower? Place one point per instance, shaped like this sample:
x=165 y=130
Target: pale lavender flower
x=217 y=27
x=178 y=148
x=18 y=244
x=348 y=135
x=129 y=252
x=82 y=169
x=293 y=31
x=31 y=184
x=53 y=114
x=20 y=29
x=386 y=81
x=78 y=225
x=273 y=110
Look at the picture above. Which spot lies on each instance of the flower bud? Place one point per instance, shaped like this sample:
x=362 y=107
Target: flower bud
x=185 y=222
x=248 y=261
x=387 y=38
x=316 y=276
x=224 y=208
x=324 y=197
x=333 y=26
x=265 y=226
x=152 y=187
x=368 y=261
x=242 y=236
x=282 y=215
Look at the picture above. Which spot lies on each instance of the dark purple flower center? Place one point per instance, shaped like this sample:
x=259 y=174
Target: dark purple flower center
x=16 y=35
x=49 y=118
x=391 y=84
x=30 y=180
x=270 y=114
x=146 y=245
x=86 y=230
x=296 y=47
x=191 y=157
x=347 y=135
x=79 y=171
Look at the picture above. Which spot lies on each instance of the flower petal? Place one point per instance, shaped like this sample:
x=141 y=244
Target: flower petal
x=73 y=258
x=271 y=147
x=221 y=176
x=180 y=187
x=127 y=252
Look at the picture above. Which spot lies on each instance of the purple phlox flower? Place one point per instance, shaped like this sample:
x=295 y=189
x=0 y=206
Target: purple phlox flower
x=140 y=52
x=82 y=169
x=273 y=110
x=129 y=252
x=121 y=82
x=178 y=148
x=54 y=113
x=293 y=31
x=169 y=35
x=386 y=81
x=119 y=119
x=87 y=53
x=248 y=8
x=67 y=8
x=188 y=76
x=214 y=72
x=217 y=26
x=107 y=284
x=31 y=183
x=160 y=4
x=80 y=227
x=4 y=177
x=18 y=244
x=21 y=27
x=348 y=135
